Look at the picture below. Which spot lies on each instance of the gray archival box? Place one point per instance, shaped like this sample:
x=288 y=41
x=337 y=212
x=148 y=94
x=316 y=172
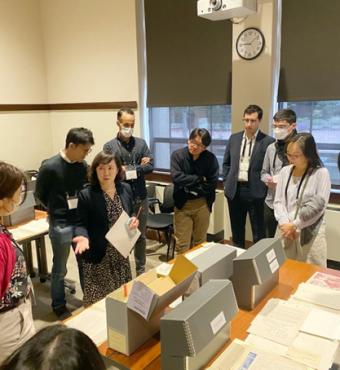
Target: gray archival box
x=193 y=332
x=256 y=271
x=215 y=263
x=24 y=213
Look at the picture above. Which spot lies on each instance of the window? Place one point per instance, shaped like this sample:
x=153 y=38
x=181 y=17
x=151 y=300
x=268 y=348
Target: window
x=170 y=128
x=322 y=120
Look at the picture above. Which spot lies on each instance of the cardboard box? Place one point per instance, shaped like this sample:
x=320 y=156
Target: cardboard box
x=127 y=328
x=24 y=213
x=256 y=271
x=193 y=332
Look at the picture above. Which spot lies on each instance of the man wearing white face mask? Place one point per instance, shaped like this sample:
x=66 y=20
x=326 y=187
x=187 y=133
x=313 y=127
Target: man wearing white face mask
x=137 y=161
x=284 y=125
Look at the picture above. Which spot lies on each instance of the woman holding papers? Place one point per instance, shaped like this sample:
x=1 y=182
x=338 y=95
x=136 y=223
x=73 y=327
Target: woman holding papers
x=100 y=205
x=16 y=322
x=302 y=195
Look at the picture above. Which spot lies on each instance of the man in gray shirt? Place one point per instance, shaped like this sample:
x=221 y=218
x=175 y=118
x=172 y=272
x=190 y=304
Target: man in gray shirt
x=284 y=124
x=137 y=161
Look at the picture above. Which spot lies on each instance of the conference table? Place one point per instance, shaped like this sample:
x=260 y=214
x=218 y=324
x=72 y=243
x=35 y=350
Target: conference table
x=291 y=274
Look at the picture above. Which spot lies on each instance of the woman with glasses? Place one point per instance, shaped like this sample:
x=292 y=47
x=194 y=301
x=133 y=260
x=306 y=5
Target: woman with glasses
x=301 y=198
x=16 y=322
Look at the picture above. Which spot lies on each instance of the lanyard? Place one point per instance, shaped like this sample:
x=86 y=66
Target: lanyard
x=299 y=187
x=244 y=147
x=130 y=155
x=274 y=161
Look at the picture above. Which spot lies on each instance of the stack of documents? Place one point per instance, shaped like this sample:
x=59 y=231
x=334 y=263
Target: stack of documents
x=92 y=322
x=297 y=331
x=243 y=356
x=30 y=229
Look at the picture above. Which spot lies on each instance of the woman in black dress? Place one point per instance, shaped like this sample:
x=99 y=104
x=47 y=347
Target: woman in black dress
x=99 y=207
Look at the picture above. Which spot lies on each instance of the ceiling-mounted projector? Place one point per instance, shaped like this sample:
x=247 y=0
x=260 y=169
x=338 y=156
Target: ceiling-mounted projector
x=216 y=10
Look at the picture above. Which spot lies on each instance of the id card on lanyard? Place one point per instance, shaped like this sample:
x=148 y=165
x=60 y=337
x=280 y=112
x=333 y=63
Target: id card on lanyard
x=130 y=172
x=72 y=201
x=128 y=159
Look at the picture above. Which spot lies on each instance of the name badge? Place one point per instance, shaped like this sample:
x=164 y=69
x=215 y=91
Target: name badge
x=244 y=166
x=130 y=173
x=72 y=202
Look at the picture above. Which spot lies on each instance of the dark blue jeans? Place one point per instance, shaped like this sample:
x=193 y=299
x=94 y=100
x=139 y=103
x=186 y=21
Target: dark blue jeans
x=140 y=245
x=61 y=240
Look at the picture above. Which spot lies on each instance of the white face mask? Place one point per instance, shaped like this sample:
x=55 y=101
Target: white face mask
x=126 y=131
x=280 y=133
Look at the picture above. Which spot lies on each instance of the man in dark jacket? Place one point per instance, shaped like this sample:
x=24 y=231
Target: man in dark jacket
x=242 y=165
x=194 y=172
x=137 y=161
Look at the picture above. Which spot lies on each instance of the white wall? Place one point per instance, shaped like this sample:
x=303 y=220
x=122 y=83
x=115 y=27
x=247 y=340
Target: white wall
x=25 y=136
x=64 y=52
x=22 y=67
x=90 y=49
x=91 y=56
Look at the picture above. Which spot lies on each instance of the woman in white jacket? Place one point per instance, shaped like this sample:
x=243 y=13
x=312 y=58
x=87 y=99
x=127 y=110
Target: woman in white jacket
x=301 y=198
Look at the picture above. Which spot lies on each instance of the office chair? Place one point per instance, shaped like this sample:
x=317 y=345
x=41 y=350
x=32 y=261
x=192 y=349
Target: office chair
x=162 y=221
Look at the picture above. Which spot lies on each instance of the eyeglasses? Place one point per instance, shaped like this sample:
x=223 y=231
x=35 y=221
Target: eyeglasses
x=249 y=120
x=294 y=156
x=196 y=145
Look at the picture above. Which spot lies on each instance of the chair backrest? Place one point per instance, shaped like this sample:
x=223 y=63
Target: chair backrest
x=168 y=200
x=151 y=190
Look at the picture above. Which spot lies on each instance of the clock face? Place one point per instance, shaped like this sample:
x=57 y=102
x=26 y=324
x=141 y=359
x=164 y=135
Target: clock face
x=250 y=43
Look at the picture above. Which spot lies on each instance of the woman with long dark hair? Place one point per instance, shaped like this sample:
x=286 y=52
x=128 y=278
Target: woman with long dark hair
x=53 y=348
x=99 y=207
x=301 y=198
x=16 y=322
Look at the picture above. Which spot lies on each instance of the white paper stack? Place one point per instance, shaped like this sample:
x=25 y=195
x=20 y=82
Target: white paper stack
x=242 y=356
x=92 y=322
x=297 y=331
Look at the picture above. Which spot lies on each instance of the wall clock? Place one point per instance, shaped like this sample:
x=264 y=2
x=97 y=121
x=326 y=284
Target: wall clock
x=250 y=43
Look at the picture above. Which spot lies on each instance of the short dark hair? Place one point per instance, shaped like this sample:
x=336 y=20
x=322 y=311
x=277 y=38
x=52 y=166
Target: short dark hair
x=254 y=109
x=79 y=135
x=287 y=115
x=56 y=347
x=104 y=158
x=11 y=178
x=124 y=110
x=203 y=134
x=308 y=147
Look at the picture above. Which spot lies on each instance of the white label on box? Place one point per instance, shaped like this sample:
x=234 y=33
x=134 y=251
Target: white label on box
x=274 y=265
x=271 y=255
x=218 y=322
x=140 y=299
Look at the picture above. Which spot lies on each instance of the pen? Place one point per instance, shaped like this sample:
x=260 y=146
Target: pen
x=125 y=290
x=138 y=212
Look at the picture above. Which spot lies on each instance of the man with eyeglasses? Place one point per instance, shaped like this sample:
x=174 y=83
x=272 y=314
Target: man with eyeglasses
x=284 y=127
x=59 y=181
x=137 y=161
x=242 y=165
x=194 y=172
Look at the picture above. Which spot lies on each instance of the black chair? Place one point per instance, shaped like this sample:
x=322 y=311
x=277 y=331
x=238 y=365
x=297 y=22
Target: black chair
x=162 y=221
